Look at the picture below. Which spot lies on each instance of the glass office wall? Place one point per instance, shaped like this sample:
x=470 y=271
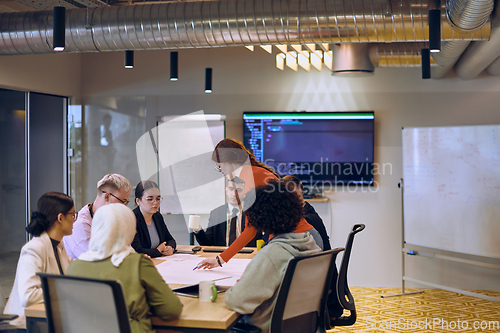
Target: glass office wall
x=105 y=142
x=12 y=170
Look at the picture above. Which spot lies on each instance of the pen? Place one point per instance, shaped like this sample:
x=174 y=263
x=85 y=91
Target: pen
x=196 y=267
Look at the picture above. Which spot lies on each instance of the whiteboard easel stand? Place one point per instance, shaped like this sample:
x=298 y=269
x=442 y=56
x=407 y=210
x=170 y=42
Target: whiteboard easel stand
x=404 y=278
x=403 y=252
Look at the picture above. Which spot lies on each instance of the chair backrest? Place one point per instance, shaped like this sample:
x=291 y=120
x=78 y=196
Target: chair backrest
x=2 y=300
x=301 y=300
x=343 y=293
x=74 y=304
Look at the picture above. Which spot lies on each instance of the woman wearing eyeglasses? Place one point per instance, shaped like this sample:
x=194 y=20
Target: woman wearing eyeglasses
x=152 y=237
x=233 y=159
x=44 y=253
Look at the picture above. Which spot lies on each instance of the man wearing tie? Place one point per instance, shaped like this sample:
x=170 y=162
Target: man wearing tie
x=226 y=222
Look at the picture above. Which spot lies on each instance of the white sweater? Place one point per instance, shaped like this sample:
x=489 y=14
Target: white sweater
x=37 y=256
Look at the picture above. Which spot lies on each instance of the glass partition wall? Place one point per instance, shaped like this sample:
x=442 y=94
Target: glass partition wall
x=13 y=204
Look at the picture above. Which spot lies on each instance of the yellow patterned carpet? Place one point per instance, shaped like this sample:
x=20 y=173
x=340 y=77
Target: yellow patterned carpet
x=434 y=310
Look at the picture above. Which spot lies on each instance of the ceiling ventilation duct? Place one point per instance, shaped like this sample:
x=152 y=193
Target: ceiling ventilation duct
x=480 y=55
x=352 y=60
x=204 y=24
x=465 y=16
x=397 y=54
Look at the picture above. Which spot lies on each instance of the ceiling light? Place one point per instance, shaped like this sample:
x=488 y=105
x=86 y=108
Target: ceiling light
x=174 y=66
x=435 y=30
x=129 y=59
x=280 y=61
x=208 y=80
x=59 y=29
x=426 y=63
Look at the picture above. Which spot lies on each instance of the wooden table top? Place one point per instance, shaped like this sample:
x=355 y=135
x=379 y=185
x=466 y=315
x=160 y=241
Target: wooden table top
x=195 y=314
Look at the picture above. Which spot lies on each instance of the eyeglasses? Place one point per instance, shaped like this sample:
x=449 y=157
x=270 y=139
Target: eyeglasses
x=75 y=215
x=153 y=200
x=217 y=168
x=125 y=202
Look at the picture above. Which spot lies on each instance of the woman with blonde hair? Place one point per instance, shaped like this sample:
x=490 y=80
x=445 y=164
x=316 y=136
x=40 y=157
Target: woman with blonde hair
x=110 y=257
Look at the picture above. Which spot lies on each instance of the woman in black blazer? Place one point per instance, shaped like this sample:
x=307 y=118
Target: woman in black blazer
x=152 y=237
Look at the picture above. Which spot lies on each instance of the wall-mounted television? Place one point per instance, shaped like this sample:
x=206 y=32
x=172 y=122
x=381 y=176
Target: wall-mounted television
x=319 y=148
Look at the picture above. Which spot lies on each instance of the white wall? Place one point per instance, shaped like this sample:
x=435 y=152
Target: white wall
x=57 y=74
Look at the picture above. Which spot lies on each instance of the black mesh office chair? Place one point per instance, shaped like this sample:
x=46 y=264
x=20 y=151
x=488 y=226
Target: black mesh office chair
x=343 y=293
x=301 y=301
x=75 y=305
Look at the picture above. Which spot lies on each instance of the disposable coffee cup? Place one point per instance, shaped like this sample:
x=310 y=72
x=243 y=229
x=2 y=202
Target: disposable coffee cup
x=207 y=291
x=194 y=222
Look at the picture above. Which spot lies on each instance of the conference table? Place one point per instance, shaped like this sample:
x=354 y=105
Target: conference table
x=196 y=316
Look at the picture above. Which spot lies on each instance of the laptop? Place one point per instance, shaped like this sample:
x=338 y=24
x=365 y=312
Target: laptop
x=193 y=290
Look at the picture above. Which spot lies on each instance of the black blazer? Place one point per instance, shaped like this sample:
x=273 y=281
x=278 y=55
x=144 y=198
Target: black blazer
x=142 y=241
x=215 y=235
x=313 y=219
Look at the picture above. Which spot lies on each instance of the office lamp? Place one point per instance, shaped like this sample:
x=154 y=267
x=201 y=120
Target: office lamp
x=426 y=63
x=58 y=34
x=435 y=30
x=174 y=66
x=129 y=59
x=208 y=80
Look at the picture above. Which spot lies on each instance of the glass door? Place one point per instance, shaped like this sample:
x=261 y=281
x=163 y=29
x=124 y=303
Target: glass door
x=13 y=207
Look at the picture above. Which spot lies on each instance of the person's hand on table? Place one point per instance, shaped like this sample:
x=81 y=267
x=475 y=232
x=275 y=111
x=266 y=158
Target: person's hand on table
x=167 y=251
x=208 y=263
x=161 y=247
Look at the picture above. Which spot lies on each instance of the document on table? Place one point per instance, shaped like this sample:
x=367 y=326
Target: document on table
x=180 y=271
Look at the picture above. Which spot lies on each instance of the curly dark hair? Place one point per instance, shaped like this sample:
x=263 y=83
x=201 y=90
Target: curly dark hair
x=276 y=209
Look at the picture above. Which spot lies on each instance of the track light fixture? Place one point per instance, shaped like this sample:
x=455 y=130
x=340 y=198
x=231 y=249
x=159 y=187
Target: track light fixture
x=129 y=59
x=435 y=30
x=174 y=66
x=58 y=32
x=208 y=80
x=426 y=63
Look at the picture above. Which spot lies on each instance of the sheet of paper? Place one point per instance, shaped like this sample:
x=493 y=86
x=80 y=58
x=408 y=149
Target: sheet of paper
x=180 y=271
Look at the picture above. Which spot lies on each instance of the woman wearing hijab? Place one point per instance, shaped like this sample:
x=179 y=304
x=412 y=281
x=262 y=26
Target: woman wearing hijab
x=110 y=257
x=45 y=253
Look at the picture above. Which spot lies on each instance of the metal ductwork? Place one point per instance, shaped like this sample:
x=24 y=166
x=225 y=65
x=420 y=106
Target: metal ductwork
x=202 y=24
x=480 y=55
x=397 y=54
x=466 y=16
x=469 y=15
x=494 y=68
x=447 y=57
x=352 y=59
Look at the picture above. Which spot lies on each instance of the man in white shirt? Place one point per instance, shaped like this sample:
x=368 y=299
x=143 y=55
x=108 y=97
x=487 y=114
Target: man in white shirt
x=112 y=188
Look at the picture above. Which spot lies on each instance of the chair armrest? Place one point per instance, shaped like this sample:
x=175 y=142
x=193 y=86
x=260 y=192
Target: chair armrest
x=245 y=328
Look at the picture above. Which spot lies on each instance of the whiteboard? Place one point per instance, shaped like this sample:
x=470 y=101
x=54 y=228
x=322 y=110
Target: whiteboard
x=451 y=178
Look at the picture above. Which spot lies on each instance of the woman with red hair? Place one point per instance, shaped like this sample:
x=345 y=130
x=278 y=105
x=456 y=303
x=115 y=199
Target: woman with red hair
x=232 y=159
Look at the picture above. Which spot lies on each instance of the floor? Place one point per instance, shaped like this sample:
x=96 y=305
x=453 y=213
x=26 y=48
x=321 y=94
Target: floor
x=434 y=310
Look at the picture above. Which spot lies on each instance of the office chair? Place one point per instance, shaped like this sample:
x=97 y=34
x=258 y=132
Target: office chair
x=301 y=301
x=75 y=305
x=343 y=293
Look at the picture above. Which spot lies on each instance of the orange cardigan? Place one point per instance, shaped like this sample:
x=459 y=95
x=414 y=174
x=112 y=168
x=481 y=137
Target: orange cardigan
x=260 y=177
